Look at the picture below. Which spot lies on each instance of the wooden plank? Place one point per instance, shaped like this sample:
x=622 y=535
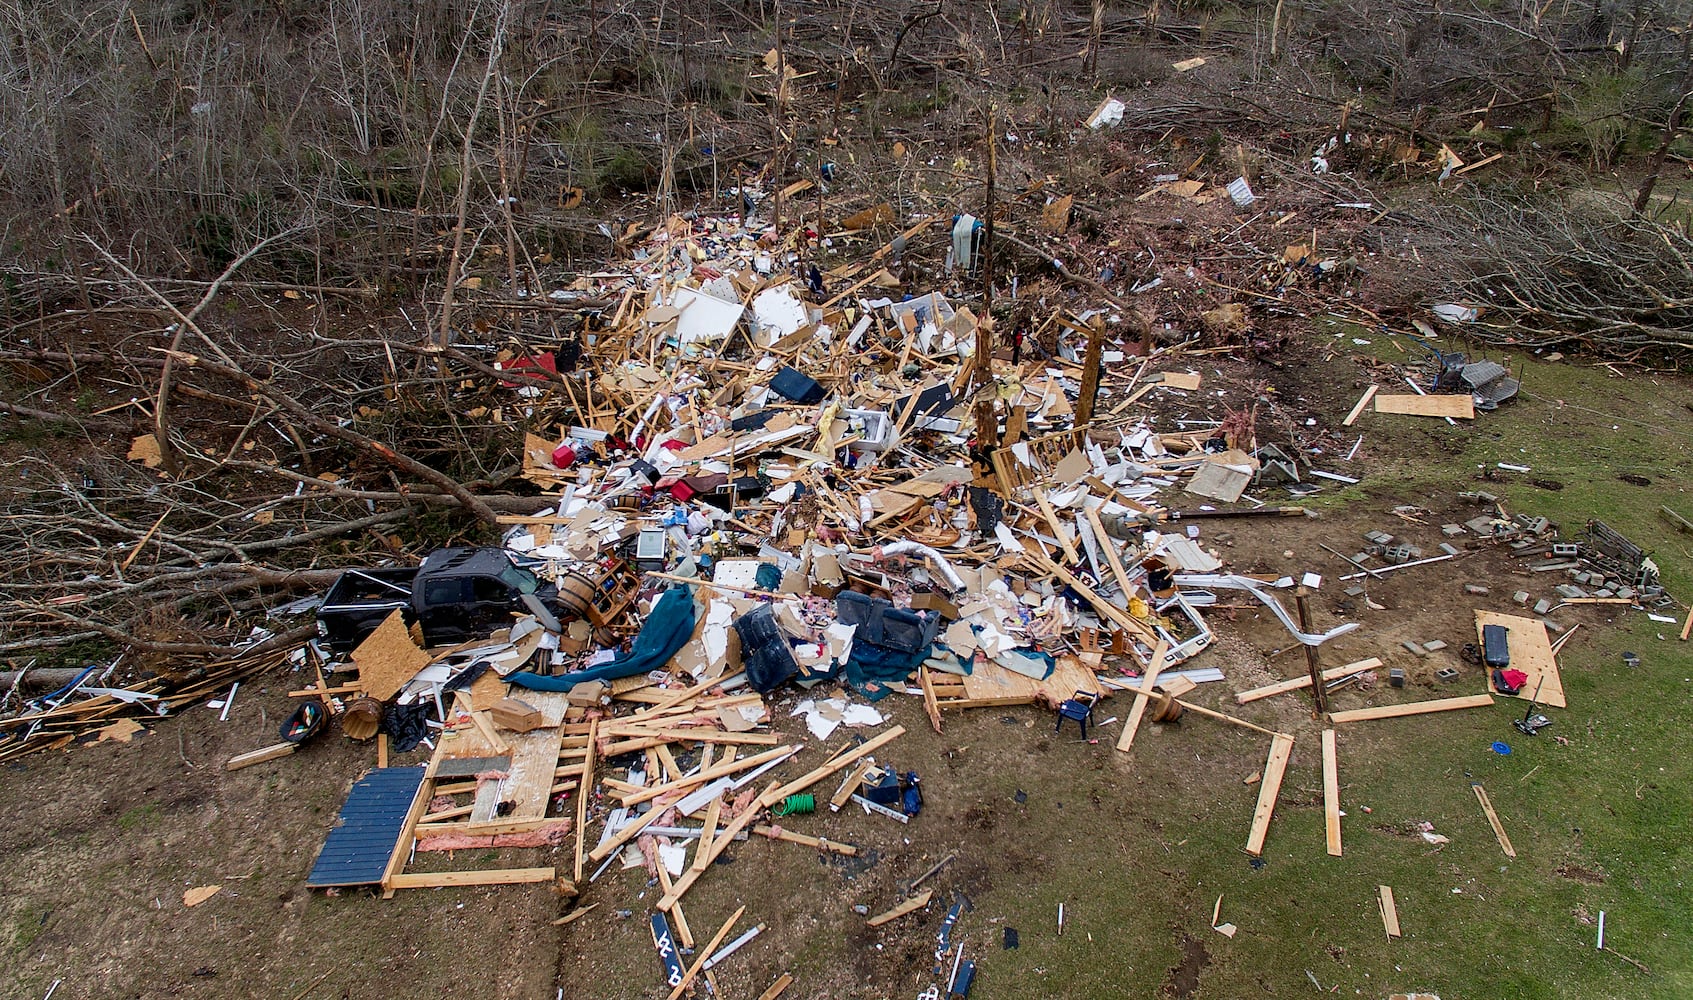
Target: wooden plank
x=778 y=987
x=629 y=832
x=1357 y=410
x=1687 y=626
x=496 y=876
x=699 y=735
x=1138 y=710
x=276 y=751
x=911 y=905
x=1109 y=545
x=684 y=933
x=1104 y=607
x=849 y=786
x=583 y=791
x=1493 y=820
x=408 y=830
x=1414 y=708
x=839 y=762
x=930 y=706
x=1331 y=793
x=1304 y=680
x=1531 y=652
x=1462 y=406
x=702 y=852
x=711 y=773
x=1057 y=526
x=1389 y=910
x=820 y=843
x=1275 y=766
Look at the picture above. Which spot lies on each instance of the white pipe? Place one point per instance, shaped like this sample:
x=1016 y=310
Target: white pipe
x=731 y=948
x=909 y=548
x=1254 y=587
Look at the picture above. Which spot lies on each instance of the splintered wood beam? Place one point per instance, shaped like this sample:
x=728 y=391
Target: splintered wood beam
x=1493 y=820
x=1275 y=766
x=1414 y=708
x=1138 y=710
x=712 y=773
x=1331 y=793
x=840 y=761
x=911 y=905
x=820 y=843
x=1358 y=410
x=701 y=956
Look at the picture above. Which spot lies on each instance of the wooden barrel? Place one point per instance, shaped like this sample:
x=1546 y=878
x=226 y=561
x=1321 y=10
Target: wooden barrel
x=579 y=590
x=362 y=717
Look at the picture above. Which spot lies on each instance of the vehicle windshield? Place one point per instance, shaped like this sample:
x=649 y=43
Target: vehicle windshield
x=520 y=579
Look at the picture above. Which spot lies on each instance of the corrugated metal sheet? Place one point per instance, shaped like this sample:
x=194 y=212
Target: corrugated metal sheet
x=357 y=850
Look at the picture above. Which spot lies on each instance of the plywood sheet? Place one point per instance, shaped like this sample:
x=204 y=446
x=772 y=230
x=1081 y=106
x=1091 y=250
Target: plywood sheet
x=534 y=757
x=1531 y=652
x=388 y=658
x=1462 y=406
x=991 y=680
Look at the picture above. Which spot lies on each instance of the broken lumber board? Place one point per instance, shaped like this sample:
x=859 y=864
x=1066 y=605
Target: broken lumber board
x=1304 y=680
x=1389 y=910
x=849 y=785
x=1275 y=766
x=679 y=697
x=1190 y=706
x=1413 y=708
x=1057 y=526
x=276 y=751
x=930 y=702
x=1138 y=711
x=1358 y=410
x=1493 y=819
x=689 y=735
x=1100 y=604
x=684 y=933
x=778 y=987
x=722 y=841
x=820 y=843
x=849 y=756
x=708 y=834
x=496 y=876
x=408 y=826
x=1687 y=626
x=1331 y=793
x=1531 y=652
x=701 y=956
x=583 y=791
x=1109 y=544
x=711 y=773
x=1462 y=405
x=911 y=905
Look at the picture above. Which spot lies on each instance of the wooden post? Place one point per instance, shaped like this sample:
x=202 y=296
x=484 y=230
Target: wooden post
x=1319 y=694
x=1090 y=374
x=987 y=418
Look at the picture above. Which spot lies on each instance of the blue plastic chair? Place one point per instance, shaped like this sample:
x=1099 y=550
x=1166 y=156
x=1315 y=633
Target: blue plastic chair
x=1079 y=709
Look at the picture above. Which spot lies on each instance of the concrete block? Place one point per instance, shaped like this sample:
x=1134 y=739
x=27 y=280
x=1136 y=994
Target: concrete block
x=1542 y=606
x=1449 y=548
x=1521 y=597
x=1552 y=626
x=1415 y=649
x=1451 y=530
x=1568 y=591
x=1434 y=645
x=1476 y=589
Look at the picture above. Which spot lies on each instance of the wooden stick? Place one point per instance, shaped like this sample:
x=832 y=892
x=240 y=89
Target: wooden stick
x=275 y=751
x=911 y=905
x=1298 y=683
x=849 y=786
x=705 y=953
x=575 y=914
x=840 y=761
x=1331 y=793
x=820 y=843
x=1687 y=627
x=684 y=933
x=1127 y=739
x=1275 y=766
x=684 y=695
x=1493 y=820
x=629 y=832
x=1414 y=708
x=1109 y=544
x=1070 y=554
x=582 y=795
x=712 y=773
x=778 y=987
x=498 y=876
x=1369 y=394
x=702 y=852
x=723 y=839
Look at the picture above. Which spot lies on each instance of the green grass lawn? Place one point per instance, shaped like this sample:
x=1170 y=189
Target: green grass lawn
x=1600 y=823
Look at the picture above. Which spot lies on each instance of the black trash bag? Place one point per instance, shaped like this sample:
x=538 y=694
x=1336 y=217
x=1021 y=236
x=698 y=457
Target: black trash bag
x=406 y=725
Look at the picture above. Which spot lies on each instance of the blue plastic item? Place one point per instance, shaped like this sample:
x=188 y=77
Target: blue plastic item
x=1502 y=749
